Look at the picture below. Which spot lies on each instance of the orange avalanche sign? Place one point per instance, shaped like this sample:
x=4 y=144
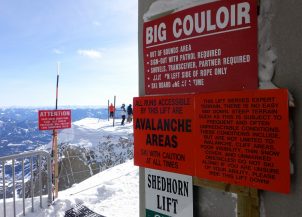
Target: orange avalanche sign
x=239 y=138
x=244 y=139
x=163 y=128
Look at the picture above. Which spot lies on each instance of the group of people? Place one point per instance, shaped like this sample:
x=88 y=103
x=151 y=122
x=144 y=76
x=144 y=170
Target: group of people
x=128 y=112
x=124 y=112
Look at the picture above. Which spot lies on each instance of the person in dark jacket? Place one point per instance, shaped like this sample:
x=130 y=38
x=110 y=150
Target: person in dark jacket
x=129 y=113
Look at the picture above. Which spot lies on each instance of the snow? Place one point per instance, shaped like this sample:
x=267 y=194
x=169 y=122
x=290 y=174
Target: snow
x=162 y=6
x=113 y=192
x=14 y=145
x=267 y=56
x=91 y=131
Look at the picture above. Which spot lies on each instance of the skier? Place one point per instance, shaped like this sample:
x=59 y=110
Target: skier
x=123 y=114
x=111 y=110
x=129 y=113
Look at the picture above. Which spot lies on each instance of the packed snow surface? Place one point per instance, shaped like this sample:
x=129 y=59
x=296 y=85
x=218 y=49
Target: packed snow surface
x=93 y=131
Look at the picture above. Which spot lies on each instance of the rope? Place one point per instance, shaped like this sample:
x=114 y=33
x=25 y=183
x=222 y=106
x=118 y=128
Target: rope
x=103 y=183
x=70 y=166
x=60 y=174
x=70 y=174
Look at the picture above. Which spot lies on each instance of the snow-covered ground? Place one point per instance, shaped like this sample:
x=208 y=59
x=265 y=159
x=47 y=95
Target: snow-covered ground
x=113 y=192
x=92 y=131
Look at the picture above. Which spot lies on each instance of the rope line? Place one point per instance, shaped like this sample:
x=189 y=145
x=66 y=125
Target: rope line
x=104 y=181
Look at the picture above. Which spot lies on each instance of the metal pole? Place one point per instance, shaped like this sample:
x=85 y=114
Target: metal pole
x=32 y=184
x=55 y=140
x=49 y=184
x=108 y=110
x=57 y=86
x=40 y=179
x=114 y=110
x=56 y=164
x=23 y=187
x=4 y=188
x=14 y=186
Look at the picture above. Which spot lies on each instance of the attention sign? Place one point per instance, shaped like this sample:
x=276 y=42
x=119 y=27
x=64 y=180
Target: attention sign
x=206 y=48
x=168 y=194
x=163 y=128
x=54 y=119
x=244 y=139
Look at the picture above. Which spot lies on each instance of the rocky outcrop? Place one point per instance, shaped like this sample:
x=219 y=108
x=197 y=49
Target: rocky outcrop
x=89 y=147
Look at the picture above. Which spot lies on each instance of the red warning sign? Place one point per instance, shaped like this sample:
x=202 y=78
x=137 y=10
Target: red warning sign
x=240 y=138
x=244 y=138
x=54 y=119
x=206 y=48
x=163 y=128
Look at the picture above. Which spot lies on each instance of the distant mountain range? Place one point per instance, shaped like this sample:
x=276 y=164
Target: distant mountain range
x=91 y=145
x=19 y=128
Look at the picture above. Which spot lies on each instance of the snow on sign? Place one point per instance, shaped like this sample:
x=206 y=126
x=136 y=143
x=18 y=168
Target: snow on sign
x=168 y=194
x=244 y=138
x=54 y=119
x=206 y=48
x=163 y=128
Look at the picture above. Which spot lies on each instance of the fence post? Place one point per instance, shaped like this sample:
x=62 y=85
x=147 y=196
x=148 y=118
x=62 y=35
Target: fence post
x=4 y=188
x=248 y=205
x=14 y=186
x=49 y=171
x=23 y=187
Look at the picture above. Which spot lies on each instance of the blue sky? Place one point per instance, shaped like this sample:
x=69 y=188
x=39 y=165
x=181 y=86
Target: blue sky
x=95 y=42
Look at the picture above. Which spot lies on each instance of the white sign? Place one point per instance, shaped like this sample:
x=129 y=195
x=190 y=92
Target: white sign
x=168 y=194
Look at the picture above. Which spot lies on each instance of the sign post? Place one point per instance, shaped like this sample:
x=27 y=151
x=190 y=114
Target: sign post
x=55 y=135
x=54 y=120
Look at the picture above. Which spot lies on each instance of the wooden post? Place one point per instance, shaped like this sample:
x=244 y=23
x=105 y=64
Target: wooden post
x=248 y=205
x=248 y=201
x=56 y=172
x=55 y=140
